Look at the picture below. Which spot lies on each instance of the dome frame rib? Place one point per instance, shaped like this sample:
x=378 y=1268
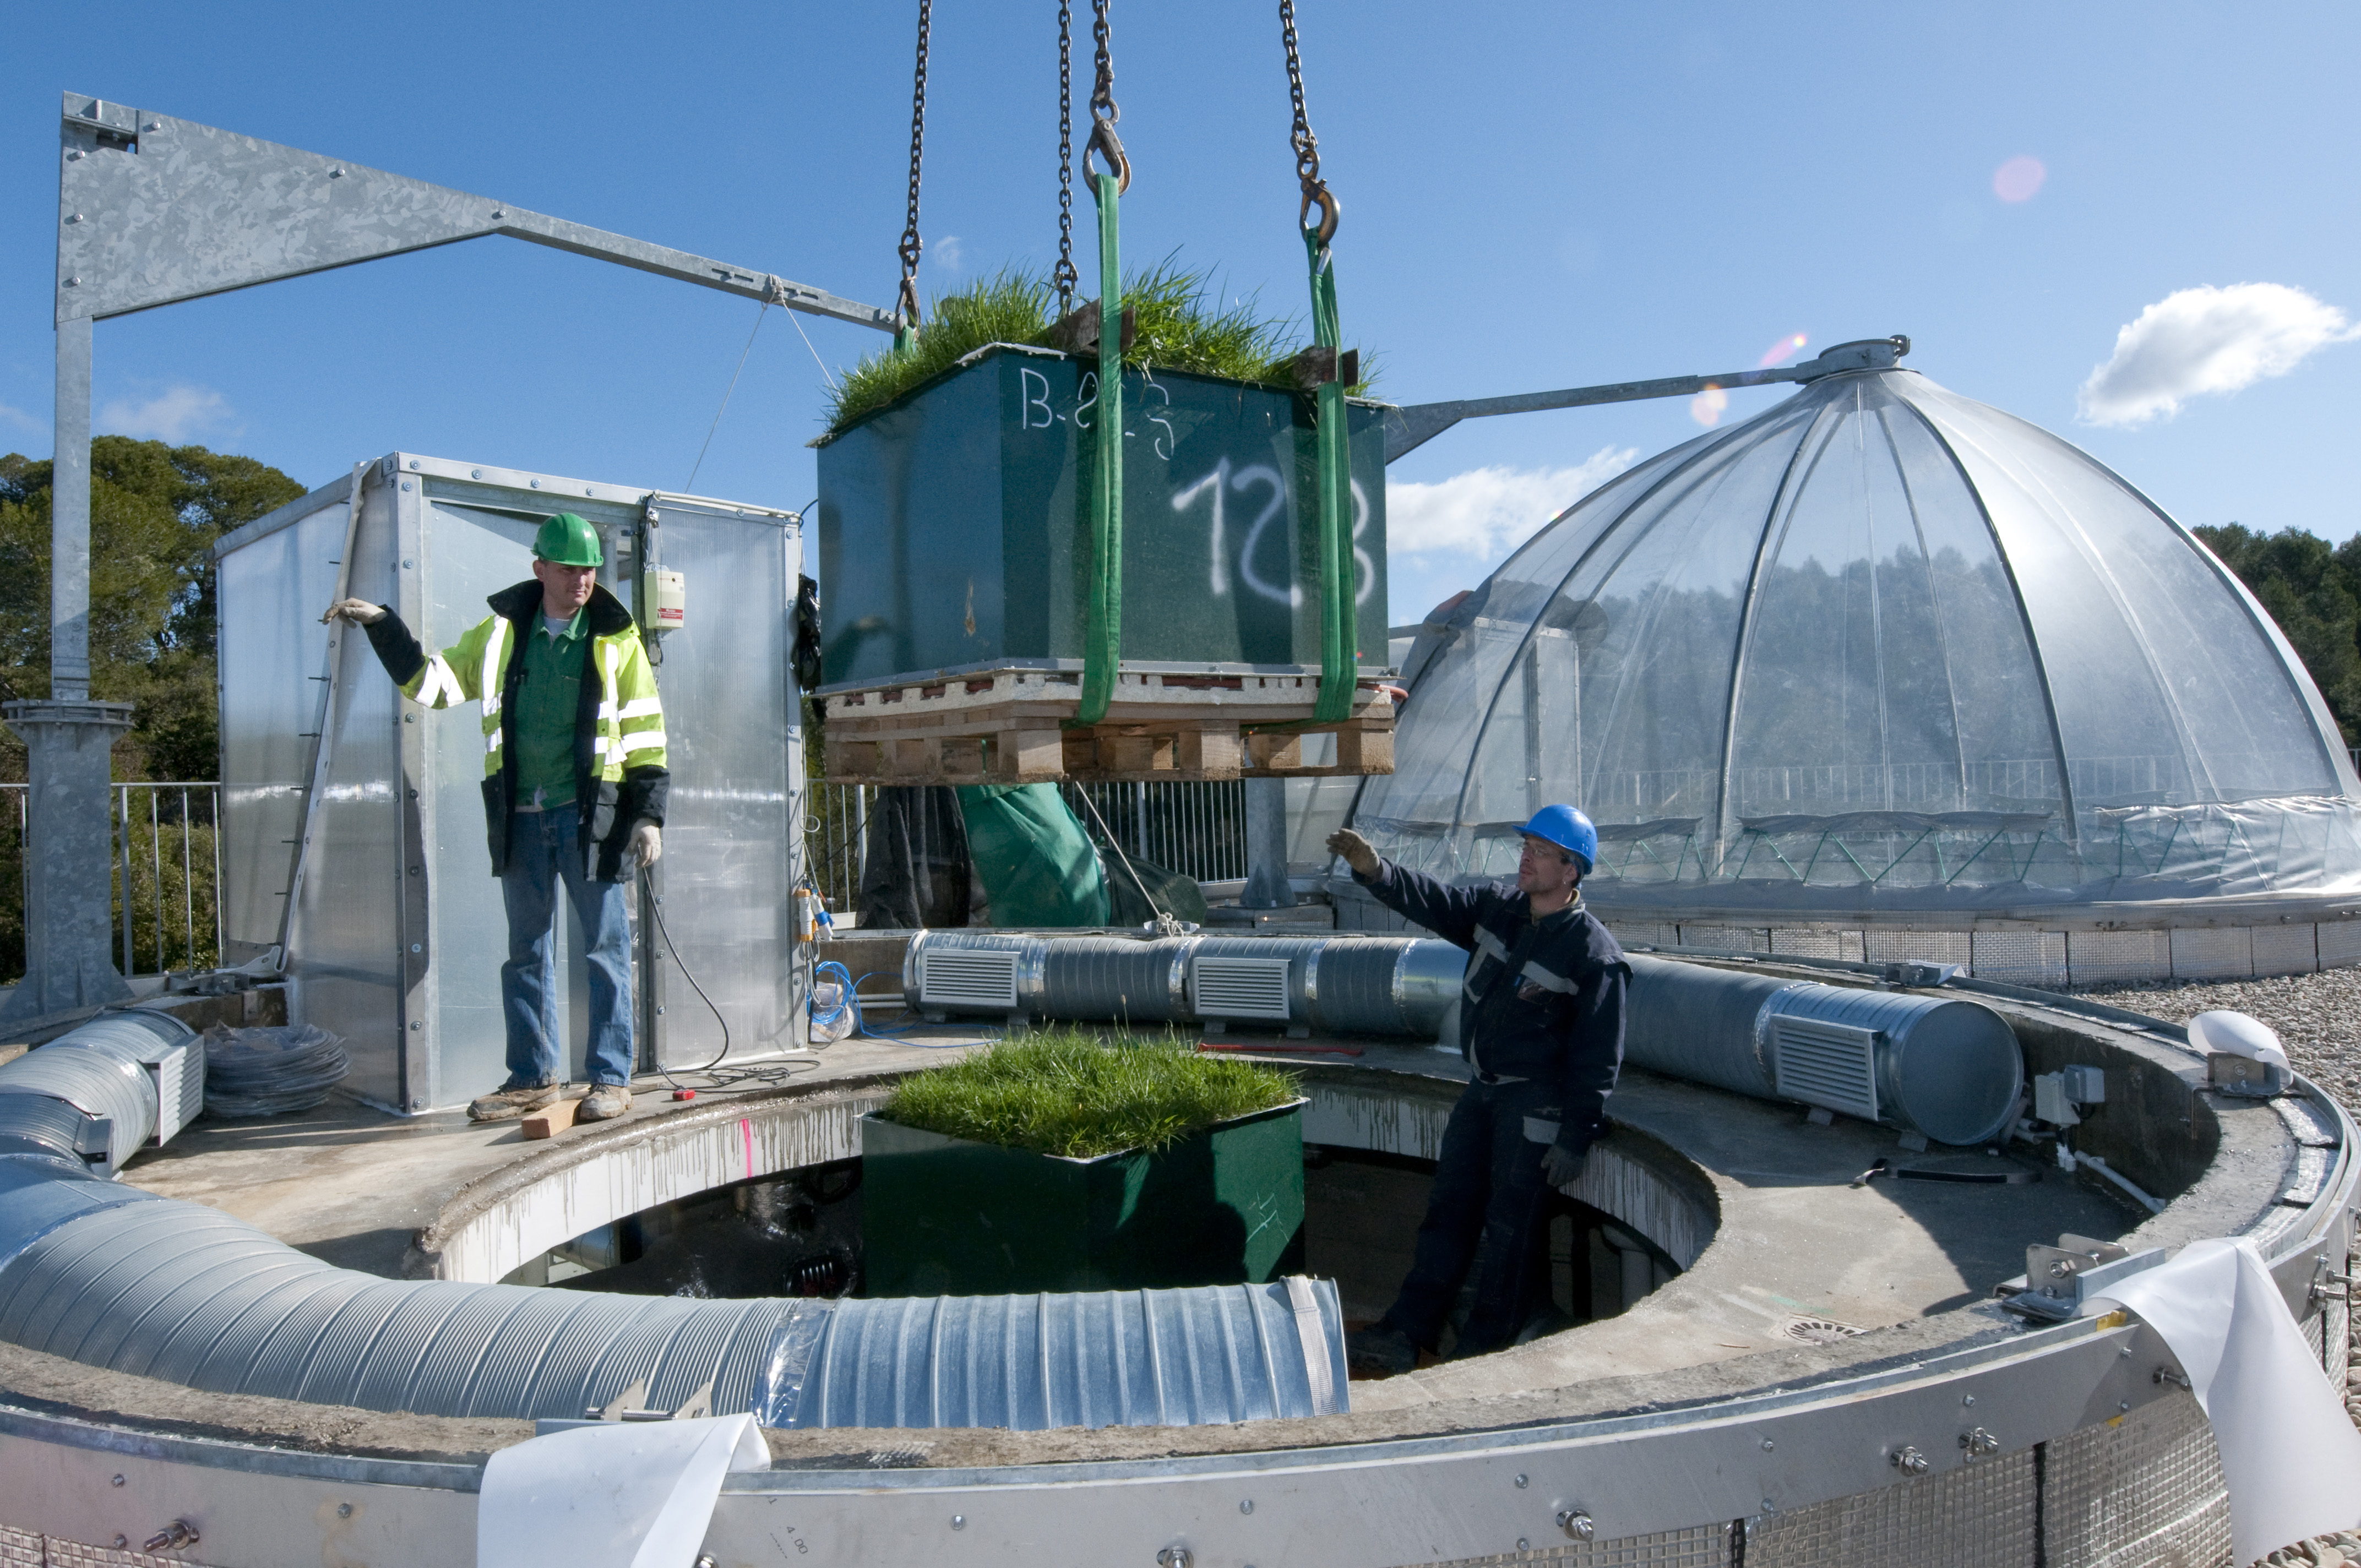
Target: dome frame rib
x=1704 y=447
x=1934 y=600
x=2024 y=619
x=2339 y=760
x=1775 y=519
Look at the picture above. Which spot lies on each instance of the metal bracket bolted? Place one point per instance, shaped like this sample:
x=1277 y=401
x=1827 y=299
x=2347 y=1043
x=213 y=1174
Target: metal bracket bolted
x=173 y=1537
x=1909 y=1461
x=1978 y=1442
x=1576 y=1524
x=1173 y=1557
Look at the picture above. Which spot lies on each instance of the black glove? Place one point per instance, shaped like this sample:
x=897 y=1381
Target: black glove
x=1563 y=1166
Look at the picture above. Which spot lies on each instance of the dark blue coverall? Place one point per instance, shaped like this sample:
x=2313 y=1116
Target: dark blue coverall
x=1540 y=1021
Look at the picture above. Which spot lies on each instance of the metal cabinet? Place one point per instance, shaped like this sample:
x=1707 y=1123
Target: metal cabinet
x=396 y=932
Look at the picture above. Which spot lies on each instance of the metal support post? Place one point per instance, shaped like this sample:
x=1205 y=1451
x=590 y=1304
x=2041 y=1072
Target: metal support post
x=69 y=924
x=69 y=928
x=1266 y=884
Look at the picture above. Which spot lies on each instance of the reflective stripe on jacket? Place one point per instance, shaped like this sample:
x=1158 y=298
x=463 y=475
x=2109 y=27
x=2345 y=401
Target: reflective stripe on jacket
x=619 y=760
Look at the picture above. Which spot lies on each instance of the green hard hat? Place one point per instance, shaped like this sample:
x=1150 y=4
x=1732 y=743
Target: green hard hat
x=569 y=540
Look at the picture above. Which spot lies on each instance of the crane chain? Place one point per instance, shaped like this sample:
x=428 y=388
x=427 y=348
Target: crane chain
x=1103 y=112
x=1062 y=276
x=907 y=305
x=1307 y=146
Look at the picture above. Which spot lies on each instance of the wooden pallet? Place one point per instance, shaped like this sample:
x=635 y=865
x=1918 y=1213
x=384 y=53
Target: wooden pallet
x=1008 y=727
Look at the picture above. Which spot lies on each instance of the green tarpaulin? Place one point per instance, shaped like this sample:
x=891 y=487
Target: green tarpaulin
x=1034 y=862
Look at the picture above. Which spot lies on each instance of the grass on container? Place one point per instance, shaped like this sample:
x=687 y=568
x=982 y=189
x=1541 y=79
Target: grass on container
x=1177 y=324
x=1064 y=1091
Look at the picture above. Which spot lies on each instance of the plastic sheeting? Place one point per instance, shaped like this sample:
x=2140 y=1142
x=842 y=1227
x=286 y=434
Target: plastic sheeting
x=1879 y=651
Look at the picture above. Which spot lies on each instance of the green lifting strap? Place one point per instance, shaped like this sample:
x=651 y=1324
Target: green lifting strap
x=1333 y=503
x=1103 y=630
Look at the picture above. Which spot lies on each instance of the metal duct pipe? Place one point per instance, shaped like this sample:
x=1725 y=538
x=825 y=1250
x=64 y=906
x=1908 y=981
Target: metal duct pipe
x=114 y=1276
x=1121 y=978
x=99 y=1069
x=1942 y=1065
x=1360 y=985
x=1337 y=984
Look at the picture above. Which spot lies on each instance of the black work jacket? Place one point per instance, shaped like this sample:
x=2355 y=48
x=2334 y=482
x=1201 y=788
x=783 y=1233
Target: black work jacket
x=1542 y=1000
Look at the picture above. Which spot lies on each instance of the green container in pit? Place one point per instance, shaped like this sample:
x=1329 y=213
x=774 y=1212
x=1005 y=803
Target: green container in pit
x=954 y=522
x=943 y=1216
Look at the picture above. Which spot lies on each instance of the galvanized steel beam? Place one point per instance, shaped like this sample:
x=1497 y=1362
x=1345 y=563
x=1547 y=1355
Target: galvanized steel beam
x=154 y=210
x=1413 y=425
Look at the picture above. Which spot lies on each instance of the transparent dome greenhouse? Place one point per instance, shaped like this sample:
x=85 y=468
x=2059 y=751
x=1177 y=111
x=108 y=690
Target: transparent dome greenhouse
x=1885 y=674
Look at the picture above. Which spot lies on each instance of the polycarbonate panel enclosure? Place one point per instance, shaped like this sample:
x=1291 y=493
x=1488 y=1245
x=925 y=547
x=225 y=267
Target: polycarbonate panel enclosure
x=1878 y=652
x=399 y=931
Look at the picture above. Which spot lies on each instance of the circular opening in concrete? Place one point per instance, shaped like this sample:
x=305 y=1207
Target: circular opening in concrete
x=1645 y=1216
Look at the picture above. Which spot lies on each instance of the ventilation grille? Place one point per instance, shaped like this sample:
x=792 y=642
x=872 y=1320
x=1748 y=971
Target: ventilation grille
x=179 y=1074
x=1825 y=1064
x=1238 y=988
x=954 y=977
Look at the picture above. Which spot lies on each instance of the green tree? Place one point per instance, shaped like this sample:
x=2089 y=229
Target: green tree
x=2314 y=590
x=155 y=512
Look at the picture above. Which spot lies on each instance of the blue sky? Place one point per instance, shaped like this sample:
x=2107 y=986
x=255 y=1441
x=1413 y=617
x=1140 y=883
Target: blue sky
x=1534 y=196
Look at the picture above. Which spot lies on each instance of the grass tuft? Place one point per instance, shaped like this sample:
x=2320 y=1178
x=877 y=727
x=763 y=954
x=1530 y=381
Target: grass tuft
x=1063 y=1091
x=1177 y=325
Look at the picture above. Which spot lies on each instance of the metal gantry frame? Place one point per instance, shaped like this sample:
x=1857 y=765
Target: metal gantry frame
x=152 y=211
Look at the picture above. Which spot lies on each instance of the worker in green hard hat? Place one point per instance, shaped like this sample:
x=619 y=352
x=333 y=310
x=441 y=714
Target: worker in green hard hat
x=574 y=783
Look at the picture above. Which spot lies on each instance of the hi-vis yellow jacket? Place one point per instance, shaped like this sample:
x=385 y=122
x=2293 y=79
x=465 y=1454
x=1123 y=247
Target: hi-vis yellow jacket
x=620 y=777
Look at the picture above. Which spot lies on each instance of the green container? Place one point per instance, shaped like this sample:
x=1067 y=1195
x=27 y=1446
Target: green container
x=954 y=522
x=941 y=1216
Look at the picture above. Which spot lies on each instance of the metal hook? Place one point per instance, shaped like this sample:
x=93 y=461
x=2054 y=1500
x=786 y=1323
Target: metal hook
x=1107 y=145
x=1319 y=195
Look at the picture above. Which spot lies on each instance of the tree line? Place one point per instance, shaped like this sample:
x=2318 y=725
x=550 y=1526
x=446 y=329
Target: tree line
x=155 y=511
x=2312 y=588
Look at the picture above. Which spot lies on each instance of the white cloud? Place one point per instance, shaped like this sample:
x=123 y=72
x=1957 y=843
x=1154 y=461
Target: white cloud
x=1489 y=511
x=19 y=418
x=174 y=415
x=2207 y=340
x=949 y=252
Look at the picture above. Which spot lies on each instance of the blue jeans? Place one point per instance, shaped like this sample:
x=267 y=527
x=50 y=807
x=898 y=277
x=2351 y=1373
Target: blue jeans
x=544 y=847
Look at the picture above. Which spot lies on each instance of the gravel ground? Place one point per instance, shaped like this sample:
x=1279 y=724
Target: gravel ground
x=2318 y=1018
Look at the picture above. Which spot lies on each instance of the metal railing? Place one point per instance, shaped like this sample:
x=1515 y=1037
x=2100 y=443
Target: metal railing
x=1198 y=829
x=165 y=884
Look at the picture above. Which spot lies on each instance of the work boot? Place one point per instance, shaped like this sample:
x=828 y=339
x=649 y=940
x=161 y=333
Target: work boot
x=507 y=1104
x=604 y=1102
x=1380 y=1350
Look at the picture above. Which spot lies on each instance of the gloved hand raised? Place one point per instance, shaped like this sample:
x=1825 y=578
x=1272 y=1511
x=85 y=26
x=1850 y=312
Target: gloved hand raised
x=646 y=844
x=1356 y=851
x=360 y=612
x=1562 y=1168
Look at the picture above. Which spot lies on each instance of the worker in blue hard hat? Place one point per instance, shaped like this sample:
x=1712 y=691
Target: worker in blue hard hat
x=574 y=783
x=1540 y=1026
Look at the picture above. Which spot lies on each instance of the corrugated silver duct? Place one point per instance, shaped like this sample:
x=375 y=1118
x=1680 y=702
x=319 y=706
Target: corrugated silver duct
x=1359 y=984
x=37 y=1124
x=97 y=1067
x=1339 y=984
x=1942 y=1065
x=1121 y=978
x=114 y=1276
x=1226 y=1353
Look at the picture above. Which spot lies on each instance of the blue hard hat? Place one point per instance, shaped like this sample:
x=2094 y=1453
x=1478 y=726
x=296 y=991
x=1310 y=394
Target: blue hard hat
x=1570 y=830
